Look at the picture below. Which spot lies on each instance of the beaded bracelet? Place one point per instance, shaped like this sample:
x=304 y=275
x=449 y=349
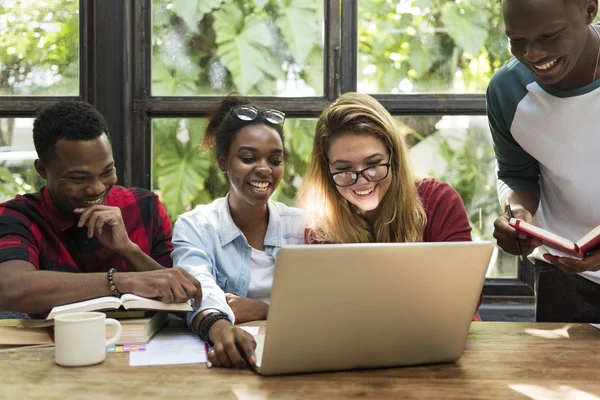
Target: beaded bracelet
x=207 y=322
x=111 y=282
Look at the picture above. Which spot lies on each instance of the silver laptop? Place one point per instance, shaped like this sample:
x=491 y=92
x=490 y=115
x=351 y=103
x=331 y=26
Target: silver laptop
x=355 y=306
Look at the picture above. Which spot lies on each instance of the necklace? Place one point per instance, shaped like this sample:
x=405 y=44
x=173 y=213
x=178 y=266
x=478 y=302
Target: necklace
x=598 y=56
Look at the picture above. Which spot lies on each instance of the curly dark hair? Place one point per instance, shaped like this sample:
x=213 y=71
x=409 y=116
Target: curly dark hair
x=223 y=125
x=70 y=120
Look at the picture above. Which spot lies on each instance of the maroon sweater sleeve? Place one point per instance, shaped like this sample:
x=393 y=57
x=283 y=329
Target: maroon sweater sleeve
x=447 y=219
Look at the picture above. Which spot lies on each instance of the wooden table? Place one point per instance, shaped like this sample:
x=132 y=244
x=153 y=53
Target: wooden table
x=501 y=360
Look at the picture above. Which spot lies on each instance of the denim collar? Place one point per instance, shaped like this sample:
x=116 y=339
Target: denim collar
x=229 y=231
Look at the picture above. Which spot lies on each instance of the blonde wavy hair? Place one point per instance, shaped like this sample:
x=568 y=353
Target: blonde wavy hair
x=331 y=218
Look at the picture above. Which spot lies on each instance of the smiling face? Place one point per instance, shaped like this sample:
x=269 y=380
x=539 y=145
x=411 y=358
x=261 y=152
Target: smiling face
x=254 y=166
x=553 y=39
x=354 y=152
x=80 y=173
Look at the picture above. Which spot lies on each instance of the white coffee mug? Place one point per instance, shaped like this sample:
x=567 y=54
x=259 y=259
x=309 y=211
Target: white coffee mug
x=80 y=338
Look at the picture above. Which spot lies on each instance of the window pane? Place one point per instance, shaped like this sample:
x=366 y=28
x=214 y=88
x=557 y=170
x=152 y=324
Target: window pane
x=39 y=48
x=418 y=46
x=255 y=47
x=17 y=175
x=458 y=150
x=184 y=176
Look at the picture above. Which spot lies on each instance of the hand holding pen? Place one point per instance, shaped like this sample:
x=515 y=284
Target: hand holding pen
x=519 y=249
x=508 y=238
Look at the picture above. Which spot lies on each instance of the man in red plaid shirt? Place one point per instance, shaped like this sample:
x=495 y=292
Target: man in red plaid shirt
x=58 y=245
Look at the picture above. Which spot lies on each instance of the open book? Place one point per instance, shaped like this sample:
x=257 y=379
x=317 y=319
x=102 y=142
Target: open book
x=577 y=249
x=127 y=301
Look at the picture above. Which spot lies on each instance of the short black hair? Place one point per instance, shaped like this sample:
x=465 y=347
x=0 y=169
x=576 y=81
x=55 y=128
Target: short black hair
x=70 y=120
x=223 y=125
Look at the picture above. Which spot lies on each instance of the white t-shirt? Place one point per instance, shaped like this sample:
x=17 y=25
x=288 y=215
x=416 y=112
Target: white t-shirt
x=262 y=267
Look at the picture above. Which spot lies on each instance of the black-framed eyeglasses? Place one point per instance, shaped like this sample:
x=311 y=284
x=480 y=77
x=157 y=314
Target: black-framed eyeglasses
x=249 y=113
x=374 y=173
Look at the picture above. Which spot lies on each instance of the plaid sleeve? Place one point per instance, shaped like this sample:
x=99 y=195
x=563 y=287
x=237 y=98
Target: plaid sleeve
x=162 y=234
x=19 y=237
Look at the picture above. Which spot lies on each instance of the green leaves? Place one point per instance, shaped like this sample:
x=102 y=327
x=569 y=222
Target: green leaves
x=170 y=81
x=466 y=26
x=192 y=11
x=297 y=24
x=470 y=171
x=252 y=47
x=181 y=172
x=260 y=4
x=243 y=47
x=38 y=42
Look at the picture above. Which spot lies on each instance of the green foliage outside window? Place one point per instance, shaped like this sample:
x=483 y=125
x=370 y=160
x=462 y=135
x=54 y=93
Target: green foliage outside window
x=39 y=47
x=258 y=47
x=429 y=45
x=274 y=48
x=39 y=56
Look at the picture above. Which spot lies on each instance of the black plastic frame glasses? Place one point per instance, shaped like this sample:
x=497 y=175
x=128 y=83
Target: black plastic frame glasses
x=250 y=113
x=355 y=174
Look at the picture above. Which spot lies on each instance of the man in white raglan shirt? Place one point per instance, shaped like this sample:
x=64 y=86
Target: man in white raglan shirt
x=544 y=112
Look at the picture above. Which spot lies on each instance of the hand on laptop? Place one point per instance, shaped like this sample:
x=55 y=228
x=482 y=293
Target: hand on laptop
x=232 y=346
x=246 y=309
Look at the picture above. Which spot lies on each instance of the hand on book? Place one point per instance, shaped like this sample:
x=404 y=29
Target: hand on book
x=507 y=236
x=246 y=309
x=107 y=224
x=232 y=346
x=169 y=285
x=590 y=263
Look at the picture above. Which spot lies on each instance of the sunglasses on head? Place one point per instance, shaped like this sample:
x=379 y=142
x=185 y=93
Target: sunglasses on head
x=249 y=113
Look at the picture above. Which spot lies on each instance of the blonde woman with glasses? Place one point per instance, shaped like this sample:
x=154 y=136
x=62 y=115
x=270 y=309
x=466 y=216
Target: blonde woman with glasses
x=359 y=186
x=230 y=245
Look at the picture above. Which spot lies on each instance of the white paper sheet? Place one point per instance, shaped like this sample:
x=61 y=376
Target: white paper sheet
x=253 y=330
x=172 y=345
x=596 y=326
x=175 y=345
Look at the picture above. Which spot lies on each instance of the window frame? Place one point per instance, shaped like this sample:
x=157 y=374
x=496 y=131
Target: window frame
x=115 y=77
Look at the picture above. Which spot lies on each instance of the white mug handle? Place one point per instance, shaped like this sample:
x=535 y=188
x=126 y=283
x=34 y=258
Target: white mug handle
x=117 y=335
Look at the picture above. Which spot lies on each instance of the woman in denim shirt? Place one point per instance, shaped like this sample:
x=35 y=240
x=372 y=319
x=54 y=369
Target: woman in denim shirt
x=230 y=245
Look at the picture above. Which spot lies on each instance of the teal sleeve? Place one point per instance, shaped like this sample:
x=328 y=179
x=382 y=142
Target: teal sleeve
x=516 y=169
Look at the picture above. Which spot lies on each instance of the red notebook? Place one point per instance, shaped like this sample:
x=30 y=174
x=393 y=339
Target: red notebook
x=577 y=249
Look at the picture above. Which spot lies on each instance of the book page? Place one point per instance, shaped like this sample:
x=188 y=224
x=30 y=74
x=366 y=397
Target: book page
x=132 y=301
x=24 y=336
x=550 y=239
x=26 y=323
x=20 y=332
x=590 y=240
x=100 y=303
x=558 y=253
